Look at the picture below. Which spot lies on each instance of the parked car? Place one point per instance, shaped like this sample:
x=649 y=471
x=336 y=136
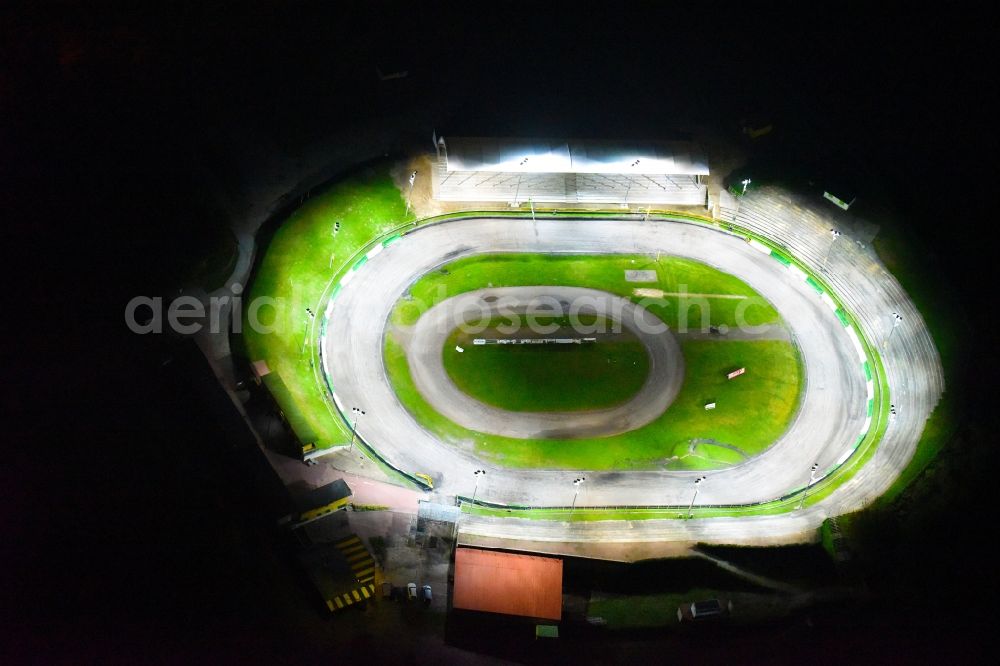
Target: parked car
x=411 y=591
x=710 y=609
x=426 y=595
x=703 y=610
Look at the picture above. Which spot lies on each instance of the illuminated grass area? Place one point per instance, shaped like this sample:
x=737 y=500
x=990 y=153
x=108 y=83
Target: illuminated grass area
x=751 y=411
x=607 y=273
x=642 y=611
x=314 y=246
x=564 y=377
x=750 y=415
x=866 y=449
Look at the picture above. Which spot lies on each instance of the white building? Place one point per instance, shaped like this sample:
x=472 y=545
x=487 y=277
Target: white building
x=569 y=171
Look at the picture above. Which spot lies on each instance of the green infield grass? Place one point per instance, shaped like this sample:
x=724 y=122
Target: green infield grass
x=312 y=247
x=751 y=412
x=547 y=378
x=714 y=298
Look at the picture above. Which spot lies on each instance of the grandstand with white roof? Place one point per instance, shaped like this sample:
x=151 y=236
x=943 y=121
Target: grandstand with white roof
x=517 y=171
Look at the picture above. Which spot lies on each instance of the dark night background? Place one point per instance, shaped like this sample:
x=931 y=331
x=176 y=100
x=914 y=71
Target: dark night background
x=132 y=530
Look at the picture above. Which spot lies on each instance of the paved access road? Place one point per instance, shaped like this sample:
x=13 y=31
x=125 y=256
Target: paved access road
x=829 y=421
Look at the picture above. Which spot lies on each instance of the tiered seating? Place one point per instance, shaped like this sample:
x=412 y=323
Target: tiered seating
x=565 y=187
x=871 y=294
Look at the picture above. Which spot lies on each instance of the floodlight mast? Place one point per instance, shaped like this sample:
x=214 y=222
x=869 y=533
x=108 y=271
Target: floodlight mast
x=478 y=473
x=409 y=193
x=829 y=250
x=628 y=188
x=305 y=338
x=897 y=319
x=534 y=224
x=354 y=428
x=576 y=483
x=812 y=480
x=695 y=496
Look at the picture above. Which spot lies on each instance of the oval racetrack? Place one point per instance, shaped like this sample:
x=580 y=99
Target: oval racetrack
x=833 y=400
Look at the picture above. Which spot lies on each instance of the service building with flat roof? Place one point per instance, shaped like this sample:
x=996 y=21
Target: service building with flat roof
x=508 y=583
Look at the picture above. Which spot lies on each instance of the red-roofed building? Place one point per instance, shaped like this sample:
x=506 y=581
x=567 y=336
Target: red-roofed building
x=508 y=583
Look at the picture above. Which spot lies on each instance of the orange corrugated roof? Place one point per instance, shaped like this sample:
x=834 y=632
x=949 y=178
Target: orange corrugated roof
x=507 y=583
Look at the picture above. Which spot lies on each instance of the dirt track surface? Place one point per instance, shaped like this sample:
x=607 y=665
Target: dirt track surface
x=424 y=352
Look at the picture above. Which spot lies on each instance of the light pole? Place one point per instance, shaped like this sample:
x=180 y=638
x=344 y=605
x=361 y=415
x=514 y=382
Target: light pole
x=628 y=188
x=519 y=176
x=534 y=226
x=576 y=482
x=518 y=190
x=354 y=428
x=478 y=473
x=812 y=479
x=413 y=178
x=695 y=496
x=745 y=181
x=305 y=338
x=835 y=234
x=896 y=321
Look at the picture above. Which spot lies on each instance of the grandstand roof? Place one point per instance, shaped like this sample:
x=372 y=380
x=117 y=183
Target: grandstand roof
x=507 y=583
x=575 y=156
